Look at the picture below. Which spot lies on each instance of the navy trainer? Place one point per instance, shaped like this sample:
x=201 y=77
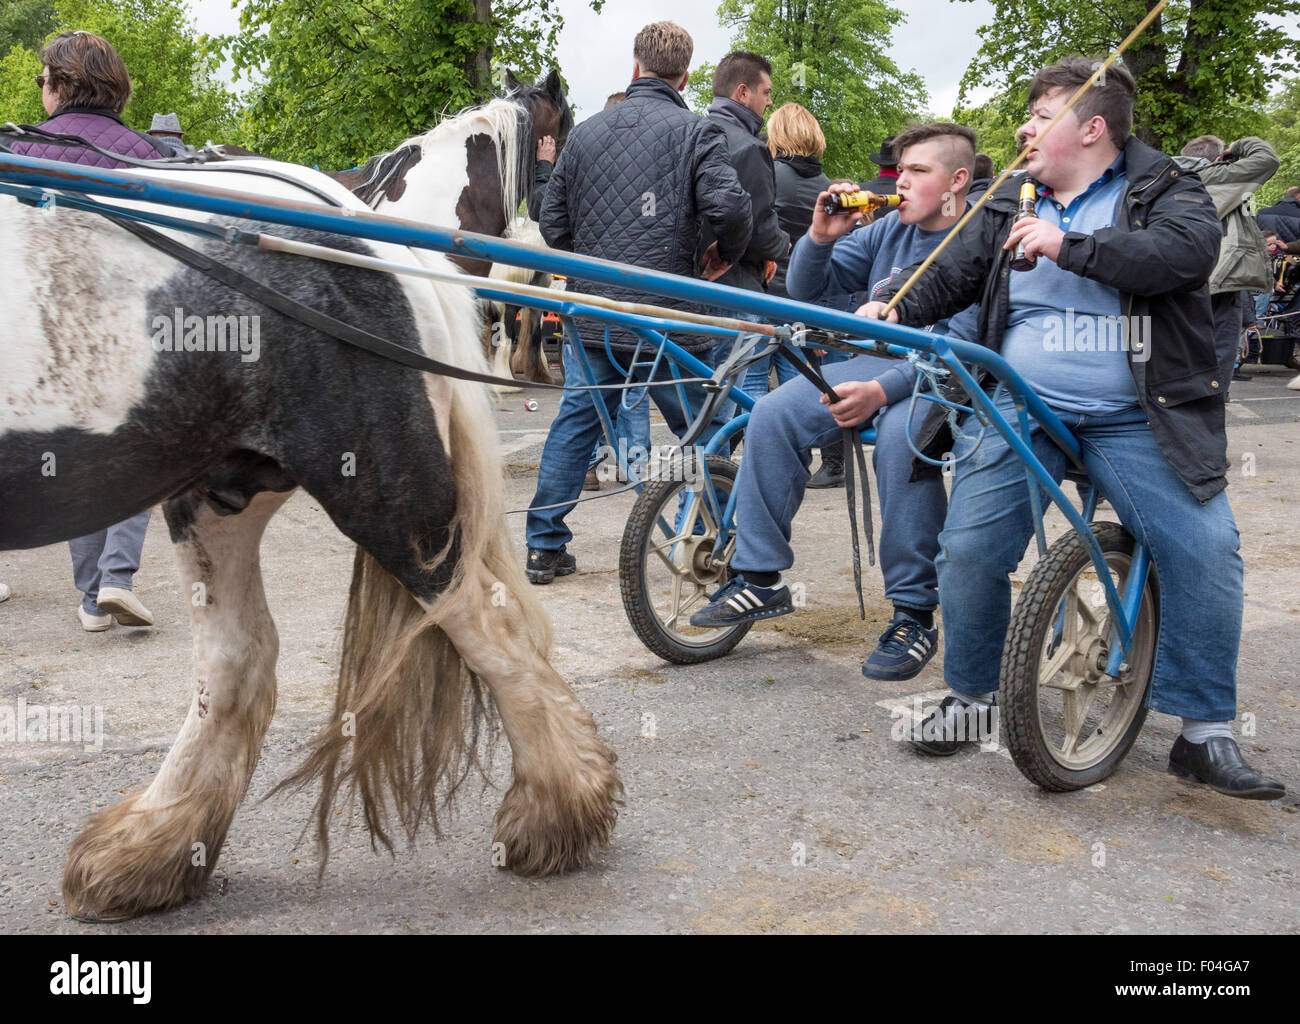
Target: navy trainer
x=739 y=601
x=904 y=649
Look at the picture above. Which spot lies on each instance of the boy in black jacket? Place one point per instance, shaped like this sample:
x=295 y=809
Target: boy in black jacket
x=1122 y=239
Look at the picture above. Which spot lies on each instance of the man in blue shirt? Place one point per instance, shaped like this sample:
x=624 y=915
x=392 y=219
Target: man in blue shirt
x=1119 y=229
x=832 y=259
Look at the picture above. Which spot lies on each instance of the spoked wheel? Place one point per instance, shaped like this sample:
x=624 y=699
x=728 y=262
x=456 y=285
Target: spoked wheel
x=667 y=570
x=1067 y=724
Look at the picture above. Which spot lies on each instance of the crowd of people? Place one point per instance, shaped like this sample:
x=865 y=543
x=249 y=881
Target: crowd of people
x=1120 y=230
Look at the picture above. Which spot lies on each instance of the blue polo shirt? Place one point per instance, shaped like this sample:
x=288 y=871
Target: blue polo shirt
x=1064 y=333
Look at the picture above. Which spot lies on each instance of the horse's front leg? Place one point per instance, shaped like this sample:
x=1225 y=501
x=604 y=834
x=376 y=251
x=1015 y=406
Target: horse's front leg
x=156 y=848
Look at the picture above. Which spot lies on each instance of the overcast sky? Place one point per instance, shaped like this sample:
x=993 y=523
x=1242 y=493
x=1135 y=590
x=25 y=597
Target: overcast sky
x=595 y=51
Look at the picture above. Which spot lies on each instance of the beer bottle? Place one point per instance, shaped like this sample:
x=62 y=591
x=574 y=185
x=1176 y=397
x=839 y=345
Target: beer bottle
x=1028 y=204
x=863 y=202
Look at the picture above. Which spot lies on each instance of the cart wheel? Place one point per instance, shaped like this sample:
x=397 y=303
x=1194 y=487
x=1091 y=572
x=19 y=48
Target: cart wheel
x=1067 y=724
x=667 y=571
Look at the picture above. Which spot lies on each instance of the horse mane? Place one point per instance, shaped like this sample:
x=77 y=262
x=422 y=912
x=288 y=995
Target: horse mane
x=509 y=123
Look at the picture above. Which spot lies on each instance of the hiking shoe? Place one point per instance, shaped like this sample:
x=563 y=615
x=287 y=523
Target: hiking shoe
x=543 y=566
x=739 y=601
x=905 y=648
x=951 y=723
x=830 y=473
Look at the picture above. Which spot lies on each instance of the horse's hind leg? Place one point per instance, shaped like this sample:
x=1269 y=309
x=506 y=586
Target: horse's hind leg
x=421 y=636
x=156 y=848
x=562 y=800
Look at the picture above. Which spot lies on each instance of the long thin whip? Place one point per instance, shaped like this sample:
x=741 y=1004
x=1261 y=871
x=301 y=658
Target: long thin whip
x=1022 y=156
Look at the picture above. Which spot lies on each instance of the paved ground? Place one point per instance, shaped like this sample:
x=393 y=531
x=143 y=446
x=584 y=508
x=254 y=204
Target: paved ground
x=770 y=798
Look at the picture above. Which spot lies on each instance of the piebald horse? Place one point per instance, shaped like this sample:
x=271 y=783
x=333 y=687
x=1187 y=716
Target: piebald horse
x=473 y=171
x=102 y=417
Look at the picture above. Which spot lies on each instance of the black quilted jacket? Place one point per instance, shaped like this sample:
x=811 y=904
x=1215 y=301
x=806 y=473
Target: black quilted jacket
x=633 y=184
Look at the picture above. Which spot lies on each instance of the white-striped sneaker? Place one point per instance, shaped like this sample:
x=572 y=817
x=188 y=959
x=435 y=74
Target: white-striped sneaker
x=4 y=591
x=904 y=649
x=740 y=601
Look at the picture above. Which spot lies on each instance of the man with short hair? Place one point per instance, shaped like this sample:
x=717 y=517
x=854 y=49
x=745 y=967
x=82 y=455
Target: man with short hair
x=1119 y=230
x=1231 y=176
x=633 y=183
x=833 y=259
x=742 y=92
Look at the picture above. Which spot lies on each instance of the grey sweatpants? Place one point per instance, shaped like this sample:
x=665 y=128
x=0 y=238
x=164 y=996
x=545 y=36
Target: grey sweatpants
x=108 y=558
x=783 y=428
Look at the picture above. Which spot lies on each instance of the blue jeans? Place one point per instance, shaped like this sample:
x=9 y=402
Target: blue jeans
x=755 y=382
x=109 y=558
x=632 y=425
x=1193 y=546
x=783 y=428
x=576 y=429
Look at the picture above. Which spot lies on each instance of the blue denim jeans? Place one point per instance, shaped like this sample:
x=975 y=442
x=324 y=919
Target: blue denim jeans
x=576 y=429
x=783 y=429
x=630 y=425
x=1193 y=546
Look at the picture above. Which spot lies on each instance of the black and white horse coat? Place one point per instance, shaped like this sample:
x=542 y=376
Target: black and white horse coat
x=97 y=423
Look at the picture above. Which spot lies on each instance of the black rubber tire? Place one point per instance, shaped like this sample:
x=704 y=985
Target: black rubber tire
x=631 y=570
x=1033 y=616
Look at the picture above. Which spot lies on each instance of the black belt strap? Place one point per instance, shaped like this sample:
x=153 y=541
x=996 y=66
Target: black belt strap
x=327 y=324
x=853 y=451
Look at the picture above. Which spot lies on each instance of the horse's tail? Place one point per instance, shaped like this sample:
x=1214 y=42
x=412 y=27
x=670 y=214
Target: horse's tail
x=411 y=717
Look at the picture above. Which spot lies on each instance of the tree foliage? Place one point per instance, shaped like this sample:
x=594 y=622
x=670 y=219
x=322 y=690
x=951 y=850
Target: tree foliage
x=335 y=83
x=1283 y=131
x=169 y=64
x=1203 y=66
x=828 y=55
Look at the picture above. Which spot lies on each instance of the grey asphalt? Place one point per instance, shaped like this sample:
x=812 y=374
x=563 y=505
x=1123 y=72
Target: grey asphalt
x=770 y=797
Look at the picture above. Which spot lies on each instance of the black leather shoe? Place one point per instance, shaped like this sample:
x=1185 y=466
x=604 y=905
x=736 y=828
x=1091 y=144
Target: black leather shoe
x=950 y=724
x=1238 y=375
x=543 y=566
x=1218 y=763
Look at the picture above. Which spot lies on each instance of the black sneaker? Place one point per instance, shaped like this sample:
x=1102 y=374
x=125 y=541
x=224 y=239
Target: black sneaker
x=951 y=723
x=905 y=648
x=739 y=601
x=543 y=566
x=1238 y=375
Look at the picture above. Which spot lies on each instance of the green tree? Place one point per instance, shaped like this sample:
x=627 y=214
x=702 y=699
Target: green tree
x=25 y=23
x=1203 y=66
x=1283 y=131
x=170 y=66
x=336 y=83
x=829 y=56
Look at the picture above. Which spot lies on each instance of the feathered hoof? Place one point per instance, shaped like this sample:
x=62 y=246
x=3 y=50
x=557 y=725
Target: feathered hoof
x=129 y=862
x=551 y=829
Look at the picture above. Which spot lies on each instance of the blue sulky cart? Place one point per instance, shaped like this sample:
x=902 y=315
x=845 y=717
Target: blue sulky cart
x=1079 y=653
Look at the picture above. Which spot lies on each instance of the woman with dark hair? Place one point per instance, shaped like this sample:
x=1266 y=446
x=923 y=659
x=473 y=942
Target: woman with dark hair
x=84 y=86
